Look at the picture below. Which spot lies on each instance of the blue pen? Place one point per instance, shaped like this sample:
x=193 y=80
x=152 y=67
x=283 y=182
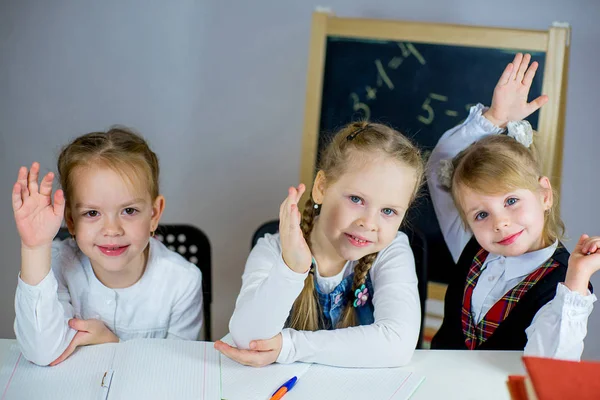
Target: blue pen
x=283 y=389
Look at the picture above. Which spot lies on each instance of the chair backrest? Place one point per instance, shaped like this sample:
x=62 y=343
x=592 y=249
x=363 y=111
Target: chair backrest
x=418 y=245
x=193 y=245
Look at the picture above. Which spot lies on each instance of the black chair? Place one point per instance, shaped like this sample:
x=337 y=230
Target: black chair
x=418 y=245
x=194 y=246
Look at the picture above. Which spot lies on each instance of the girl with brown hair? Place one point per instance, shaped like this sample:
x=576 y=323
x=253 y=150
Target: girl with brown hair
x=111 y=280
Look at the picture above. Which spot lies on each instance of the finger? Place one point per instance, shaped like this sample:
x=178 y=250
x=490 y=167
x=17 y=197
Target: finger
x=22 y=180
x=300 y=192
x=69 y=350
x=517 y=63
x=81 y=325
x=530 y=74
x=262 y=345
x=46 y=185
x=59 y=203
x=17 y=200
x=523 y=67
x=537 y=104
x=233 y=353
x=32 y=179
x=285 y=204
x=579 y=244
x=504 y=78
x=590 y=245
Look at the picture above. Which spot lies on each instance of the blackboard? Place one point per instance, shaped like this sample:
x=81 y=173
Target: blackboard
x=421 y=79
x=420 y=89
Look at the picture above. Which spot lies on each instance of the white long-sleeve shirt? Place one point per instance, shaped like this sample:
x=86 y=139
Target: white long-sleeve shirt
x=269 y=289
x=166 y=302
x=558 y=328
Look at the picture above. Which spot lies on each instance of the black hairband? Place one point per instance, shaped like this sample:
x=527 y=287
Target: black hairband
x=356 y=132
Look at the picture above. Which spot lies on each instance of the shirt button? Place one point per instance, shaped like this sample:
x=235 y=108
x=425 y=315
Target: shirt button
x=491 y=278
x=502 y=261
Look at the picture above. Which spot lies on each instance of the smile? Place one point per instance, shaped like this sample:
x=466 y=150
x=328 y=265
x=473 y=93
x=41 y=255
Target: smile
x=357 y=240
x=510 y=239
x=113 y=250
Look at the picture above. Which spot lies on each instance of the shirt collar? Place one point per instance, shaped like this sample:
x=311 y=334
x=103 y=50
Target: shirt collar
x=523 y=265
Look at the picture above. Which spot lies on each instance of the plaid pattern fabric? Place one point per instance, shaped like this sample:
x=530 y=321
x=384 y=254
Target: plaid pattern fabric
x=476 y=334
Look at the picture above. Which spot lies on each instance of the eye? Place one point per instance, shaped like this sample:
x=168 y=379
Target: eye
x=356 y=199
x=511 y=201
x=389 y=211
x=482 y=215
x=130 y=211
x=91 y=214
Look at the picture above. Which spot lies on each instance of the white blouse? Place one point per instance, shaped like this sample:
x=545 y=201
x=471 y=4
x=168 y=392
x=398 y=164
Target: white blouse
x=165 y=303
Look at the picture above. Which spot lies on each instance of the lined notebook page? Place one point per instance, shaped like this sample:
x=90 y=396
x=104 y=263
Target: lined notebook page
x=78 y=377
x=242 y=383
x=332 y=383
x=166 y=369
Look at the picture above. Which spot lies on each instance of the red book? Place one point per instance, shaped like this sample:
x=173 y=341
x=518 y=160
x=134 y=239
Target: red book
x=549 y=379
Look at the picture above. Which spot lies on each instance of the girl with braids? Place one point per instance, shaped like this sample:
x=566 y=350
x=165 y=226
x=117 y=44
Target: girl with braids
x=514 y=287
x=337 y=285
x=111 y=281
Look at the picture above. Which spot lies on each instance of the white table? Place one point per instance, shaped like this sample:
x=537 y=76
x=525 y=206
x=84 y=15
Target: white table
x=448 y=372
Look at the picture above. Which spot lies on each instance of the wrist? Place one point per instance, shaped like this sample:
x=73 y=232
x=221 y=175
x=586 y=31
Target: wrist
x=491 y=116
x=578 y=282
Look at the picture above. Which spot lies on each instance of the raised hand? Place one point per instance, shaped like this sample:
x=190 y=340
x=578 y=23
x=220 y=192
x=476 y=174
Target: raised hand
x=509 y=102
x=583 y=263
x=296 y=253
x=90 y=331
x=38 y=219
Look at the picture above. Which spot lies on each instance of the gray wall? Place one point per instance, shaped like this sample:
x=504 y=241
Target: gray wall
x=218 y=89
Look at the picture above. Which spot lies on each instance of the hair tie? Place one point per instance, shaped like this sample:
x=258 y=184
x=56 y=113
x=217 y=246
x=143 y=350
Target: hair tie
x=521 y=131
x=445 y=172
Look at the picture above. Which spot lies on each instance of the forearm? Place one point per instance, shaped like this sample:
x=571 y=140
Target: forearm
x=41 y=322
x=559 y=328
x=372 y=346
x=264 y=304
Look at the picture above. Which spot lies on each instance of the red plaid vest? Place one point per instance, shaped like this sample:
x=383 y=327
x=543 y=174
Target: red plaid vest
x=474 y=334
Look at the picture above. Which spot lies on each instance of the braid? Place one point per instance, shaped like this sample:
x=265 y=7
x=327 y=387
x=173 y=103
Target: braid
x=361 y=269
x=305 y=311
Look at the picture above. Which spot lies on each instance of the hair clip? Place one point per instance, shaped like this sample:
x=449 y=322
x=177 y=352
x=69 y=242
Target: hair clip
x=356 y=132
x=361 y=296
x=521 y=131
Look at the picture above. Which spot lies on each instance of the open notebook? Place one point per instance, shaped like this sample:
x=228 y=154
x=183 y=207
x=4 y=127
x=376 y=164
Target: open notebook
x=173 y=369
x=136 y=369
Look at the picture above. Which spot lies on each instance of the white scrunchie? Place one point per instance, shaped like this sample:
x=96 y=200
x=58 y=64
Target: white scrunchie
x=445 y=172
x=521 y=131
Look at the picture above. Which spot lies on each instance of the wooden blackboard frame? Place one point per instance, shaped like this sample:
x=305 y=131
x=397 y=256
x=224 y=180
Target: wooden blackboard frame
x=554 y=43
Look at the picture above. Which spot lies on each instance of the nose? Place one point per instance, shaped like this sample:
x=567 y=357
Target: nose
x=112 y=227
x=368 y=220
x=500 y=222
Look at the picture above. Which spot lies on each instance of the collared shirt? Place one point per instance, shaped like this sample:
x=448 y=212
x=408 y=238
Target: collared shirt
x=500 y=274
x=558 y=328
x=166 y=302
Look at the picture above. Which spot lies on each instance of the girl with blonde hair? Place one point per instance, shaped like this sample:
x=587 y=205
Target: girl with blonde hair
x=337 y=285
x=499 y=217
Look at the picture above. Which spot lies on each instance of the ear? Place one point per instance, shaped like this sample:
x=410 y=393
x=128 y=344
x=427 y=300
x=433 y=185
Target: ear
x=157 y=209
x=69 y=221
x=547 y=196
x=319 y=186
